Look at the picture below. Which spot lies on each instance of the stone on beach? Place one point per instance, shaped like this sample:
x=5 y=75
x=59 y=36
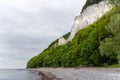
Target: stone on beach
x=82 y=73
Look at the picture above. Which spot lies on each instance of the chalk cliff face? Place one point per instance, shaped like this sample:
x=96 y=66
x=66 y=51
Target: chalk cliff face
x=97 y=44
x=61 y=41
x=87 y=17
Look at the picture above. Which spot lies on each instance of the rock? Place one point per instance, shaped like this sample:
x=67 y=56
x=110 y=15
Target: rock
x=87 y=17
x=81 y=73
x=61 y=41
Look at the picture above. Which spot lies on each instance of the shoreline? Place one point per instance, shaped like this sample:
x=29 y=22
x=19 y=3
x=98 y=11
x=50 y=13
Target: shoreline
x=78 y=73
x=45 y=75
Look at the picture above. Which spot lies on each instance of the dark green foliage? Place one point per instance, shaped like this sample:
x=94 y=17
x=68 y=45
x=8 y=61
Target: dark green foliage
x=55 y=43
x=66 y=35
x=110 y=46
x=90 y=2
x=114 y=25
x=32 y=62
x=96 y=45
x=52 y=45
x=89 y=40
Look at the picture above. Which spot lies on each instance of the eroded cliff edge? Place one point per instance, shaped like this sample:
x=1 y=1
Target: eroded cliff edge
x=87 y=17
x=93 y=41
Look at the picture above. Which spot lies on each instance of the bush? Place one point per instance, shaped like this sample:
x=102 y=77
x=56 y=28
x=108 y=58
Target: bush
x=96 y=45
x=90 y=2
x=66 y=35
x=110 y=46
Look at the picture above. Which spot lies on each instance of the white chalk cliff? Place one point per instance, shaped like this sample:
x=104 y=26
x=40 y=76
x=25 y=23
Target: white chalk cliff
x=87 y=17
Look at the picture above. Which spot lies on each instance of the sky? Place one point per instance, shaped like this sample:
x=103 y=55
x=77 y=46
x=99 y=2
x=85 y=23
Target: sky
x=29 y=26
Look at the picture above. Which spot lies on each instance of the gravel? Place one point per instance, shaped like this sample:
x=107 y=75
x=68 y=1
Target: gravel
x=83 y=73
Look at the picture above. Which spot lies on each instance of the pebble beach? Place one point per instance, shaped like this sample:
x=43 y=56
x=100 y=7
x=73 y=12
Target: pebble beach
x=79 y=73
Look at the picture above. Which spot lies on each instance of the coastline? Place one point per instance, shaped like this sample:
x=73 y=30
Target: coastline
x=78 y=73
x=47 y=76
x=44 y=75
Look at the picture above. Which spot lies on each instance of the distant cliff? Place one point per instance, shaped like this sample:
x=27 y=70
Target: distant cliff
x=87 y=17
x=93 y=40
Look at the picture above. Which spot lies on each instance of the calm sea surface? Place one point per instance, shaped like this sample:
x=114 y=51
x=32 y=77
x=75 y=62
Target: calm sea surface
x=18 y=75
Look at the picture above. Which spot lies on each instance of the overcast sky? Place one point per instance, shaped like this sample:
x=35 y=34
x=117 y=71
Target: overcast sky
x=29 y=26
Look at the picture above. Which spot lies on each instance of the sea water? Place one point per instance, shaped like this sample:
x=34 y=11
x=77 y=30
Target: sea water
x=10 y=74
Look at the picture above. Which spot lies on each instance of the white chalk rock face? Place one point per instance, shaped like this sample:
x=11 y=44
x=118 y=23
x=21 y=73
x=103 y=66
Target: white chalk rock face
x=89 y=16
x=61 y=41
